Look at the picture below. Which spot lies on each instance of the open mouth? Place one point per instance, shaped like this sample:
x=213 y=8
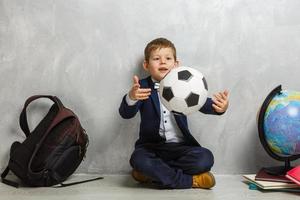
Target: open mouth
x=163 y=69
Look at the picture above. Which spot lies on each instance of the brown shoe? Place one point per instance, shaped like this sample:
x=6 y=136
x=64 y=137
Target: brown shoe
x=139 y=177
x=205 y=180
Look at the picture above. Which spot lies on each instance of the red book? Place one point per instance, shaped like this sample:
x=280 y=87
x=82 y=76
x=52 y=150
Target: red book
x=294 y=175
x=262 y=175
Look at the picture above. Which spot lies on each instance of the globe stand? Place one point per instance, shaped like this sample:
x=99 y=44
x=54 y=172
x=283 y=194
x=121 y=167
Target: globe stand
x=278 y=170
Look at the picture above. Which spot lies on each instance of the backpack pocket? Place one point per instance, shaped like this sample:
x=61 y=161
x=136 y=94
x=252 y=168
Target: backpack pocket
x=67 y=163
x=63 y=161
x=18 y=162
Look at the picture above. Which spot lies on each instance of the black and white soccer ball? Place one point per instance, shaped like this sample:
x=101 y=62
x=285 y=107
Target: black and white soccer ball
x=183 y=90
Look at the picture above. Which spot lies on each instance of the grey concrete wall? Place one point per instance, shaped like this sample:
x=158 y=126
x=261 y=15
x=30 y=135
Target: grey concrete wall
x=86 y=53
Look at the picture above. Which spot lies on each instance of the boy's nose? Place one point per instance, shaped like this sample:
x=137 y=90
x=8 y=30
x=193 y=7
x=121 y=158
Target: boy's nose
x=162 y=60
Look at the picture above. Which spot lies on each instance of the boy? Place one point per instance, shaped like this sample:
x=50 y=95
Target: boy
x=166 y=153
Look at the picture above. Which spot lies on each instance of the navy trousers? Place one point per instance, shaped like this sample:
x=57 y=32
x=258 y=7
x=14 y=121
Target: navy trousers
x=171 y=165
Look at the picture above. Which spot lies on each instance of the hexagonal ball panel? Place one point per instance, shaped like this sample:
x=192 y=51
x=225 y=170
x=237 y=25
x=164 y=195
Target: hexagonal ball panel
x=192 y=99
x=167 y=93
x=184 y=75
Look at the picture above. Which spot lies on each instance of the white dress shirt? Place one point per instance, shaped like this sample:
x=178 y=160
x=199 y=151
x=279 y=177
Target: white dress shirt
x=168 y=128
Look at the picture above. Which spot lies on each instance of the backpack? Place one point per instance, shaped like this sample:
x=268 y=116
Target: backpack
x=52 y=151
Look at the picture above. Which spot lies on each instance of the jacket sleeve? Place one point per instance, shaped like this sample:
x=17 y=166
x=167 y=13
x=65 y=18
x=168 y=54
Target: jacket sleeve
x=127 y=111
x=208 y=109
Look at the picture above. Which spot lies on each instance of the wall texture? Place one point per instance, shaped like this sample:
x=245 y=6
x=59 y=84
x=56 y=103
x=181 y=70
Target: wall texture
x=86 y=53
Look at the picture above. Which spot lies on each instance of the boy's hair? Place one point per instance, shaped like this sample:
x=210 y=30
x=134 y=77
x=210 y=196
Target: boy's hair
x=158 y=43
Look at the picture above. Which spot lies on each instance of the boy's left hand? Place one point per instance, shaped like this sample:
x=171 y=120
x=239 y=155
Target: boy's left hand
x=220 y=101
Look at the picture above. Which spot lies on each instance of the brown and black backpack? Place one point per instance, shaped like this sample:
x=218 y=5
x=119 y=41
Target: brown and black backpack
x=52 y=151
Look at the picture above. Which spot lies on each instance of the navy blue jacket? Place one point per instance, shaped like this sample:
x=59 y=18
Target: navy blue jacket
x=150 y=117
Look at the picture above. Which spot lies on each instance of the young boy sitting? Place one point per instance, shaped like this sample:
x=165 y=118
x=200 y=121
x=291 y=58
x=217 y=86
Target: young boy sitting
x=166 y=153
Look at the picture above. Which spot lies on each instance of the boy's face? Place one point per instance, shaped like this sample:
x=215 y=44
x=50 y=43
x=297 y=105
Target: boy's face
x=161 y=61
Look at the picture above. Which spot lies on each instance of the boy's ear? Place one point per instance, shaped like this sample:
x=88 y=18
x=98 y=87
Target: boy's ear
x=145 y=65
x=176 y=63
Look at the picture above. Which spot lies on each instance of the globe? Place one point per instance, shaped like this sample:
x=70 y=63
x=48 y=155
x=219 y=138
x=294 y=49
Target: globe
x=279 y=127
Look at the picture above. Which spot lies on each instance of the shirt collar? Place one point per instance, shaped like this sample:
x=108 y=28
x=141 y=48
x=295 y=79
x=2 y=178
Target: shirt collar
x=155 y=83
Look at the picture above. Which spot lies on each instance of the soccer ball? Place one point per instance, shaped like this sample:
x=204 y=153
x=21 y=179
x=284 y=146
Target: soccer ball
x=183 y=90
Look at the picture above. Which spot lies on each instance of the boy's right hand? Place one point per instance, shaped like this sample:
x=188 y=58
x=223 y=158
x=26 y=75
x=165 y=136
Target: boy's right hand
x=138 y=93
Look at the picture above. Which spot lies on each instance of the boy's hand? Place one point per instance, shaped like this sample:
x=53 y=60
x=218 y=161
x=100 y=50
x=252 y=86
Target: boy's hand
x=221 y=101
x=138 y=93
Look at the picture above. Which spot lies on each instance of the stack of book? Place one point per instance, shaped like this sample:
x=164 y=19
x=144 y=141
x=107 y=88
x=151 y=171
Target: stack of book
x=264 y=181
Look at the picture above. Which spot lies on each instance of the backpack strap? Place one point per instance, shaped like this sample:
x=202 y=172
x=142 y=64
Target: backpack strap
x=23 y=117
x=16 y=185
x=6 y=181
x=64 y=113
x=31 y=173
x=77 y=182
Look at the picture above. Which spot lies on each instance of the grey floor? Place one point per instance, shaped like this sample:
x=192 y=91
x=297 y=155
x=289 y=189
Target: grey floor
x=122 y=187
